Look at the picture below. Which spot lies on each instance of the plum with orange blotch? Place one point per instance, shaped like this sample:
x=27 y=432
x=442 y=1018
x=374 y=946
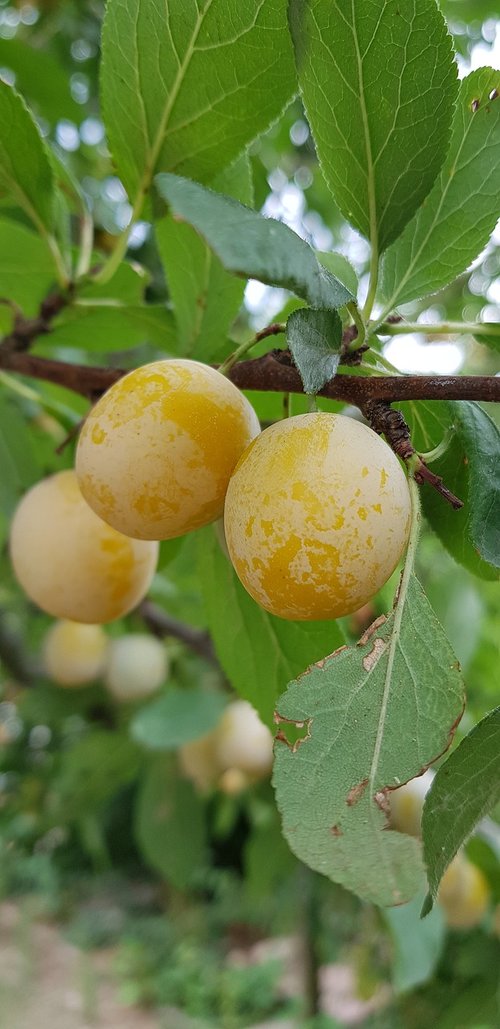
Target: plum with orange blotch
x=69 y=562
x=317 y=516
x=156 y=452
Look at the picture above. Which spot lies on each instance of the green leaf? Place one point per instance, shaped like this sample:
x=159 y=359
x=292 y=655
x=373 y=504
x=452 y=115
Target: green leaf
x=176 y=718
x=471 y=470
x=129 y=283
x=465 y=789
x=315 y=340
x=94 y=769
x=339 y=266
x=26 y=172
x=250 y=245
x=258 y=652
x=418 y=944
x=456 y=221
x=170 y=824
x=41 y=78
x=372 y=716
x=26 y=273
x=378 y=82
x=104 y=328
x=206 y=298
x=186 y=87
x=490 y=335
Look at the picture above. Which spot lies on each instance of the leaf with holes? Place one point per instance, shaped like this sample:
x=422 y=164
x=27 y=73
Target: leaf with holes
x=374 y=715
x=470 y=468
x=378 y=82
x=258 y=652
x=187 y=86
x=205 y=296
x=315 y=341
x=459 y=215
x=252 y=246
x=464 y=790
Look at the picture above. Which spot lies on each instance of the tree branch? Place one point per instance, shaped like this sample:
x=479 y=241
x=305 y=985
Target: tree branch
x=161 y=624
x=272 y=372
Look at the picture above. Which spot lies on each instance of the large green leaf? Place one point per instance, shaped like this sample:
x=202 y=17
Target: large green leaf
x=458 y=217
x=41 y=78
x=372 y=717
x=187 y=85
x=116 y=327
x=464 y=790
x=26 y=273
x=315 y=339
x=258 y=652
x=26 y=172
x=206 y=298
x=250 y=245
x=378 y=82
x=170 y=824
x=176 y=718
x=470 y=468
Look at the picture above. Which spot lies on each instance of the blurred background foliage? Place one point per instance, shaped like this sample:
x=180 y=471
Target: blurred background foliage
x=71 y=843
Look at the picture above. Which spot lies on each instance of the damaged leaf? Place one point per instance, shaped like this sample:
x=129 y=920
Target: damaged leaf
x=376 y=714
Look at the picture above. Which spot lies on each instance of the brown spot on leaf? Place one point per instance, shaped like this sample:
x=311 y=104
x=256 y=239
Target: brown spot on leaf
x=475 y=106
x=356 y=792
x=371 y=629
x=281 y=736
x=336 y=831
x=375 y=654
x=382 y=801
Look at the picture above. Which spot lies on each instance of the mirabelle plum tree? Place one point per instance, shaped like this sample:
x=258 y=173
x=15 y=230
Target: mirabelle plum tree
x=319 y=509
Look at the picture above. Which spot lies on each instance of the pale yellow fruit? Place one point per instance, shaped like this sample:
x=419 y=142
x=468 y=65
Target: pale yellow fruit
x=137 y=665
x=70 y=562
x=74 y=653
x=156 y=452
x=233 y=781
x=464 y=894
x=198 y=761
x=317 y=516
x=243 y=742
x=407 y=803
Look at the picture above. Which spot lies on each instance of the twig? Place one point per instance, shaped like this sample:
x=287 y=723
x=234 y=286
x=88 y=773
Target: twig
x=270 y=373
x=161 y=624
x=13 y=654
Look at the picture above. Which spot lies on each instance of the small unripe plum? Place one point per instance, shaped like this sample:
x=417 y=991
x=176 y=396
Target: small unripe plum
x=137 y=665
x=74 y=653
x=407 y=803
x=198 y=761
x=317 y=516
x=156 y=452
x=464 y=894
x=70 y=562
x=243 y=741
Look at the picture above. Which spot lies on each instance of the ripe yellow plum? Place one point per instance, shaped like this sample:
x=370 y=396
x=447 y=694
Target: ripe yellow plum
x=70 y=562
x=137 y=665
x=464 y=894
x=243 y=742
x=317 y=516
x=407 y=802
x=156 y=452
x=74 y=653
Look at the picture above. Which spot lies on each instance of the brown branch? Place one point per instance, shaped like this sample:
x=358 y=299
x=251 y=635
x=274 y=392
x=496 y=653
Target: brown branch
x=161 y=625
x=26 y=330
x=272 y=373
